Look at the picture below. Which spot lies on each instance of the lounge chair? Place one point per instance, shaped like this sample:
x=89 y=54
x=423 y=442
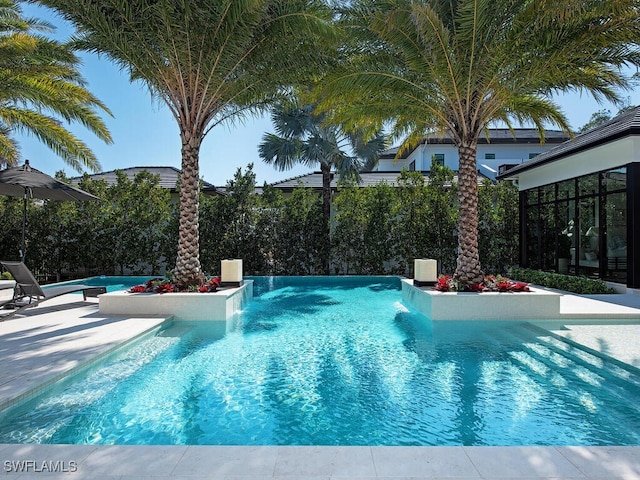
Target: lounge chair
x=28 y=293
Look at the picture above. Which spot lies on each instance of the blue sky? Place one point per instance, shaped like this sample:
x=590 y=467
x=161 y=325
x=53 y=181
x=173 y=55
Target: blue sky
x=145 y=133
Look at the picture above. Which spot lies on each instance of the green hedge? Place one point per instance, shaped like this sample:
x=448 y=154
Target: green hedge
x=568 y=283
x=377 y=230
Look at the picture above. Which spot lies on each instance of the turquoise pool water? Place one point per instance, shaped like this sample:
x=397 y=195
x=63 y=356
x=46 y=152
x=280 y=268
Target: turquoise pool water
x=338 y=361
x=113 y=283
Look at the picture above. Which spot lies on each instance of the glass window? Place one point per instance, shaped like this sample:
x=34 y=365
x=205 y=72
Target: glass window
x=548 y=193
x=589 y=241
x=566 y=237
x=548 y=235
x=579 y=226
x=438 y=159
x=489 y=156
x=533 y=237
x=615 y=180
x=532 y=155
x=616 y=237
x=588 y=185
x=567 y=189
x=412 y=166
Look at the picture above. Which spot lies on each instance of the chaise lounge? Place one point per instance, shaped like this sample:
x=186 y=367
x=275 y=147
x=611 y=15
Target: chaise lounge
x=28 y=292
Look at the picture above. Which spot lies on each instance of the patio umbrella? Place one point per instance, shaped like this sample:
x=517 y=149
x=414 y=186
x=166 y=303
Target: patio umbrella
x=27 y=182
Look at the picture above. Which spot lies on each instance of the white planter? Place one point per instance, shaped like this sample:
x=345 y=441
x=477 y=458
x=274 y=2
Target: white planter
x=534 y=305
x=220 y=305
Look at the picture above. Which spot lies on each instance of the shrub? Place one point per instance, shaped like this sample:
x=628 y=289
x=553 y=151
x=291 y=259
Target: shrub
x=568 y=283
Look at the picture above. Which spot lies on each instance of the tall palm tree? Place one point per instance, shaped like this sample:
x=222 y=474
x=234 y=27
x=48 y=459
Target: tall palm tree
x=302 y=137
x=208 y=61
x=39 y=86
x=456 y=66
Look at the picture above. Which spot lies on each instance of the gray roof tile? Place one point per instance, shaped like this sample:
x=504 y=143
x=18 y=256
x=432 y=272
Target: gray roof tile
x=369 y=179
x=168 y=177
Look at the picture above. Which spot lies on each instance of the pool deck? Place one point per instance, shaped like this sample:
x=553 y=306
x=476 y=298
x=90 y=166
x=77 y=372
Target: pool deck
x=43 y=343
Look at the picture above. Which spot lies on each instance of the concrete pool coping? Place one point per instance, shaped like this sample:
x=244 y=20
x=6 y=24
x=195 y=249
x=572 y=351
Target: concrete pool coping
x=61 y=334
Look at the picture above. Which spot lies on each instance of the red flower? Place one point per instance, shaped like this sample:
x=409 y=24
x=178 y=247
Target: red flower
x=215 y=281
x=203 y=288
x=138 y=289
x=443 y=283
x=520 y=287
x=165 y=288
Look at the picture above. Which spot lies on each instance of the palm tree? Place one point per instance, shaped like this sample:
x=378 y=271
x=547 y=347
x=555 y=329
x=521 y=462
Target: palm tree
x=40 y=84
x=302 y=137
x=457 y=66
x=209 y=61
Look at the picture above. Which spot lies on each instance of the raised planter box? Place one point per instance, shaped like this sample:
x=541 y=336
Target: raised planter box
x=534 y=305
x=220 y=305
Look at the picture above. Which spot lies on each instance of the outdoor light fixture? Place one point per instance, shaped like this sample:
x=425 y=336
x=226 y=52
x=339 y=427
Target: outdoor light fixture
x=231 y=273
x=425 y=272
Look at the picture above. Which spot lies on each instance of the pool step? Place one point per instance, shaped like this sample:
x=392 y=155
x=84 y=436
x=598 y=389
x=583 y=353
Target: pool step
x=576 y=362
x=587 y=356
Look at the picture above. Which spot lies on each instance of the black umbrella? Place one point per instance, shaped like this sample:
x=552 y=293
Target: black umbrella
x=28 y=182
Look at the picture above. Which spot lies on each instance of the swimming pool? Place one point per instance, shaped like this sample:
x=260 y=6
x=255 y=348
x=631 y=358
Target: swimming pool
x=339 y=362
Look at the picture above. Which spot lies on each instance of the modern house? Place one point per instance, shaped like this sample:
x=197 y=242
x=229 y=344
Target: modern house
x=501 y=147
x=580 y=204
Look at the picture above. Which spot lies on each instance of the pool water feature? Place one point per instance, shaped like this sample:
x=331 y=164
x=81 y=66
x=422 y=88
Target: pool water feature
x=338 y=361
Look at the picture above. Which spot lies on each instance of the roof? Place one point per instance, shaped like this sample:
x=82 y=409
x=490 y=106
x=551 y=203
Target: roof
x=623 y=125
x=497 y=136
x=369 y=179
x=169 y=177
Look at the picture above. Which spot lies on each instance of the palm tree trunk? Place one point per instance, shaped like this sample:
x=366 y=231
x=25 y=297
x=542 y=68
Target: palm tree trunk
x=326 y=214
x=188 y=270
x=468 y=268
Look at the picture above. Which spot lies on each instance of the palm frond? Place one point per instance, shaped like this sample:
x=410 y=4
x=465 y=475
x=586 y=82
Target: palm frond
x=203 y=57
x=282 y=153
x=51 y=133
x=41 y=89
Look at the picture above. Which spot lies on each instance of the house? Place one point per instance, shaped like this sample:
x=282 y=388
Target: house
x=580 y=204
x=169 y=178
x=501 y=148
x=368 y=179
